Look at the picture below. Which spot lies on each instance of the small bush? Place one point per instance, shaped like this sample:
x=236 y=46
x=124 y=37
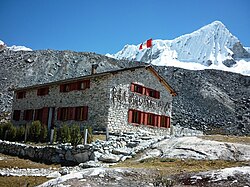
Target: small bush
x=20 y=133
x=7 y=131
x=75 y=134
x=11 y=133
x=63 y=134
x=34 y=131
x=43 y=134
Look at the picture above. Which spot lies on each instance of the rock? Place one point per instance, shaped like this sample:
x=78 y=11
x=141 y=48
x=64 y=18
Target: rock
x=69 y=156
x=123 y=151
x=53 y=175
x=90 y=164
x=64 y=171
x=109 y=158
x=151 y=153
x=82 y=157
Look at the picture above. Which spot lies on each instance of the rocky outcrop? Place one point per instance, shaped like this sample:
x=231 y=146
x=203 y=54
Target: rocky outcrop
x=197 y=148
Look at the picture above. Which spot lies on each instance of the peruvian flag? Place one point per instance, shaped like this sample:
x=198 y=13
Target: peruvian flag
x=146 y=44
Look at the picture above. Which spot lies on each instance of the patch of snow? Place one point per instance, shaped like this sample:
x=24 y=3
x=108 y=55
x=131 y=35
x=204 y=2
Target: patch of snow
x=19 y=48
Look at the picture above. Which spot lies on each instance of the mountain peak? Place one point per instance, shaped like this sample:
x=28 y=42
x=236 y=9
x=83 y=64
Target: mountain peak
x=211 y=46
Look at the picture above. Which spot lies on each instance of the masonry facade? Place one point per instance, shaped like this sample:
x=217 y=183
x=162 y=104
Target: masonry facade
x=123 y=100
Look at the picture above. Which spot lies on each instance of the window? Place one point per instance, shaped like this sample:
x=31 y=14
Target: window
x=28 y=115
x=145 y=91
x=43 y=91
x=135 y=116
x=153 y=93
x=84 y=85
x=81 y=113
x=21 y=94
x=138 y=89
x=139 y=117
x=72 y=113
x=79 y=85
x=165 y=121
x=38 y=114
x=42 y=115
x=16 y=115
x=151 y=119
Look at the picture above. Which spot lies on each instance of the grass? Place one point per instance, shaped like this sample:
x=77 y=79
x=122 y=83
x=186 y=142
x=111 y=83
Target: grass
x=229 y=138
x=168 y=166
x=13 y=162
x=99 y=137
x=23 y=181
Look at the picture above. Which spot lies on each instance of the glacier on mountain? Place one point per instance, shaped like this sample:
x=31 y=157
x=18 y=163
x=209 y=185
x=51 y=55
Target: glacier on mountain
x=210 y=47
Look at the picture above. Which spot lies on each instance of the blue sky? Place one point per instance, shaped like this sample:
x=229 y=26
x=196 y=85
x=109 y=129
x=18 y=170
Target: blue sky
x=105 y=26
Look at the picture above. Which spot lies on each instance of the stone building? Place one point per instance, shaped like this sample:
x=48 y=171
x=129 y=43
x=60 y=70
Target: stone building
x=122 y=100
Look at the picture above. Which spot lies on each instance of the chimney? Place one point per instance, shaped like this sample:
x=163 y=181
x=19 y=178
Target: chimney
x=94 y=67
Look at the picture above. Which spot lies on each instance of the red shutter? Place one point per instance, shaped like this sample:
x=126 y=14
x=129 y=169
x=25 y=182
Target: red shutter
x=132 y=87
x=159 y=121
x=46 y=91
x=85 y=113
x=59 y=114
x=142 y=118
x=144 y=90
x=157 y=95
x=146 y=118
x=168 y=122
x=87 y=83
x=130 y=116
x=62 y=88
x=155 y=120
x=45 y=114
x=73 y=113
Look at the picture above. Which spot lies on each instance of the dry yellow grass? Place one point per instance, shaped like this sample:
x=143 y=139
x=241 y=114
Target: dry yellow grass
x=227 y=138
x=21 y=181
x=168 y=166
x=24 y=181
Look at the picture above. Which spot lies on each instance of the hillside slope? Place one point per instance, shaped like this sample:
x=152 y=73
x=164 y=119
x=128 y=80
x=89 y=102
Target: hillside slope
x=209 y=100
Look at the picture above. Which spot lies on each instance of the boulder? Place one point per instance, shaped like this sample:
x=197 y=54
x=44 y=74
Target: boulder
x=110 y=158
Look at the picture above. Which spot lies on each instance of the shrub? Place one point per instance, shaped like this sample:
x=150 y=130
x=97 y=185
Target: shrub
x=20 y=133
x=43 y=134
x=75 y=133
x=63 y=134
x=11 y=133
x=34 y=131
x=7 y=131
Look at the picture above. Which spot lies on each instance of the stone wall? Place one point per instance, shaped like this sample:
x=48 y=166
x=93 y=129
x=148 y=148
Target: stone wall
x=118 y=148
x=122 y=99
x=64 y=154
x=95 y=98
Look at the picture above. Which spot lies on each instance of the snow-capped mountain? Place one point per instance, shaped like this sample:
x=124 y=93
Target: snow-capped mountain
x=14 y=47
x=210 y=47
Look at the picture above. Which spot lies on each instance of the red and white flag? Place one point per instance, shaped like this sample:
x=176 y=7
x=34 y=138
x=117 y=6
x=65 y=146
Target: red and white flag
x=146 y=44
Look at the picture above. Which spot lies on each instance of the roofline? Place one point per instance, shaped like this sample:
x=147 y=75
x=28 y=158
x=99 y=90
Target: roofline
x=162 y=80
x=147 y=67
x=78 y=78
